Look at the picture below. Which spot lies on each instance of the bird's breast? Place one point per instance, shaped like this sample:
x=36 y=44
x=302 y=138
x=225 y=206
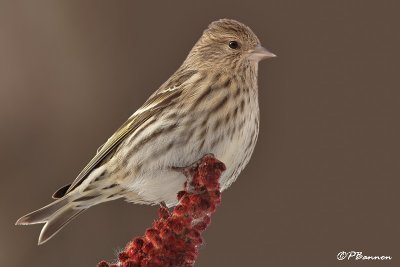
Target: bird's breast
x=234 y=141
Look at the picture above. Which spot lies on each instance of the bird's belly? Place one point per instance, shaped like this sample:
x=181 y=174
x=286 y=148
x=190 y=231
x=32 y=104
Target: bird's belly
x=157 y=181
x=162 y=184
x=235 y=153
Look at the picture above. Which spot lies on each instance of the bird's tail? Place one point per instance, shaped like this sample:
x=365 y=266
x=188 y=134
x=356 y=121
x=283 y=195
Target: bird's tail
x=55 y=216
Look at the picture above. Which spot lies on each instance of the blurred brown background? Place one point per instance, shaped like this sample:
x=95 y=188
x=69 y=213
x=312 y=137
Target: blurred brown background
x=325 y=174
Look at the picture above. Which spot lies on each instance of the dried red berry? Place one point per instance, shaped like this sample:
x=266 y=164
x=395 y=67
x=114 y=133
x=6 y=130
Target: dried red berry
x=138 y=243
x=163 y=213
x=198 y=241
x=195 y=199
x=123 y=256
x=207 y=219
x=177 y=228
x=185 y=200
x=165 y=233
x=147 y=247
x=190 y=257
x=103 y=264
x=130 y=264
x=151 y=232
x=201 y=226
x=204 y=204
x=180 y=210
x=158 y=225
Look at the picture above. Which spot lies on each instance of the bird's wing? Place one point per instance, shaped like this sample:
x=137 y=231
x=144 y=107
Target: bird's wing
x=154 y=105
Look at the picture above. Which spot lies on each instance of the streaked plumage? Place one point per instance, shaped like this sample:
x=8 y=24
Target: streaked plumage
x=209 y=105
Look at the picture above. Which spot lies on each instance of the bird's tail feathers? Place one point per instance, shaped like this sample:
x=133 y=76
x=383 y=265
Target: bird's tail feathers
x=55 y=216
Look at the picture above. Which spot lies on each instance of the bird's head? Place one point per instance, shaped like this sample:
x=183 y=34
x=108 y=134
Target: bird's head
x=227 y=45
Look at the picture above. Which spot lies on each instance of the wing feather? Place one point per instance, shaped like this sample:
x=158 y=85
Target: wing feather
x=154 y=105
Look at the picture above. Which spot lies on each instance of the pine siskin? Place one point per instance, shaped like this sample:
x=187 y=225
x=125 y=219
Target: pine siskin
x=209 y=105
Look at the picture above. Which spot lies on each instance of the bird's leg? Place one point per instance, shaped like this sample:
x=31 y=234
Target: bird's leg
x=163 y=205
x=188 y=171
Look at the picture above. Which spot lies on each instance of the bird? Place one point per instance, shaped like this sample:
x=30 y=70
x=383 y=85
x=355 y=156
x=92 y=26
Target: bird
x=208 y=106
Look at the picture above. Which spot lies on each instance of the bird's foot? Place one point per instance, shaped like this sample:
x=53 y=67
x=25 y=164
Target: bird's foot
x=188 y=171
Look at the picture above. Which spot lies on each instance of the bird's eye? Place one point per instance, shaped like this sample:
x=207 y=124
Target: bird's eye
x=234 y=45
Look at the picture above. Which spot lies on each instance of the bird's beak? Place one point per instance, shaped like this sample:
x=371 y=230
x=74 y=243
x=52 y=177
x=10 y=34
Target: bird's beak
x=260 y=53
